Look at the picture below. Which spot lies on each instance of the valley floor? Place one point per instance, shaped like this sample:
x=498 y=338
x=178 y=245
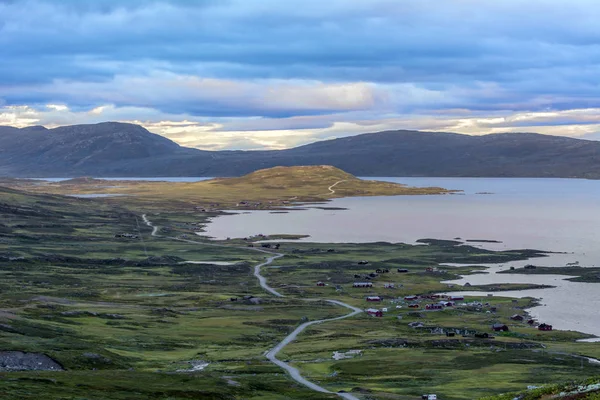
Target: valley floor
x=115 y=302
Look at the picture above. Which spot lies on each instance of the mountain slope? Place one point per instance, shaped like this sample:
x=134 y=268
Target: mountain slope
x=35 y=150
x=115 y=149
x=412 y=153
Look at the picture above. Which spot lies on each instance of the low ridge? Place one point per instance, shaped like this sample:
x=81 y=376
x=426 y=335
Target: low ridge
x=126 y=150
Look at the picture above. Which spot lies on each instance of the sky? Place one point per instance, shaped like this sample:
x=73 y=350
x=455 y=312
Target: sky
x=273 y=74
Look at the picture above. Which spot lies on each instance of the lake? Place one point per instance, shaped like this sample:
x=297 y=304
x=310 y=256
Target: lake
x=560 y=215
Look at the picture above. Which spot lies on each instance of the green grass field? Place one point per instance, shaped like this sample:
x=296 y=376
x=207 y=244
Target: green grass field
x=123 y=315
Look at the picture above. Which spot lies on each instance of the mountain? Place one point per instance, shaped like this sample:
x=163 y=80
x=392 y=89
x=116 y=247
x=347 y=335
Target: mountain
x=117 y=149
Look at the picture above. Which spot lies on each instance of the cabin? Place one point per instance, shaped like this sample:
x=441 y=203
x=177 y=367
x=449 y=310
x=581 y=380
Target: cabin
x=374 y=312
x=530 y=266
x=517 y=317
x=456 y=298
x=436 y=306
x=379 y=271
x=545 y=327
x=482 y=335
x=363 y=262
x=374 y=298
x=411 y=298
x=362 y=285
x=413 y=305
x=467 y=284
x=531 y=321
x=402 y=270
x=320 y=283
x=429 y=269
x=266 y=245
x=500 y=328
x=126 y=236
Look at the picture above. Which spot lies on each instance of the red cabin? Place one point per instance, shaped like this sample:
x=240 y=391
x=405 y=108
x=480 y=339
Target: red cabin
x=545 y=327
x=374 y=312
x=320 y=283
x=374 y=298
x=500 y=328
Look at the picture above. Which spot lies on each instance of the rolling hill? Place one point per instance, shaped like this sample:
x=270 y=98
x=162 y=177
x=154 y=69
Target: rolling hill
x=117 y=149
x=265 y=188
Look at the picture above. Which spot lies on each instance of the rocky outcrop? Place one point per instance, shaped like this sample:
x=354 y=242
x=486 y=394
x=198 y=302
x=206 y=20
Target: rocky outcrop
x=20 y=361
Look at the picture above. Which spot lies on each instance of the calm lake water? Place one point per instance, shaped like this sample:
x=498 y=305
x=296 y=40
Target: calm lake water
x=560 y=215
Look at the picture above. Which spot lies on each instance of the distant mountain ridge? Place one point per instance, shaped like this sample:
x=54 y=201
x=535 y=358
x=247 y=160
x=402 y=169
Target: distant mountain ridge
x=118 y=149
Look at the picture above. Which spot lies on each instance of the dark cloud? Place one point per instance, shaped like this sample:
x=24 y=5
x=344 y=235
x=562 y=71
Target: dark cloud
x=482 y=56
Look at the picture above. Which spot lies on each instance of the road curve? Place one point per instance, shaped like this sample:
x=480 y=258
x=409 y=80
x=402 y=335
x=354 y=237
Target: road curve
x=147 y=222
x=330 y=188
x=272 y=354
x=262 y=280
x=294 y=373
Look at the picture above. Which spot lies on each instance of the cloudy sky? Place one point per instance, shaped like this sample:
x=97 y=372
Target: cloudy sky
x=250 y=74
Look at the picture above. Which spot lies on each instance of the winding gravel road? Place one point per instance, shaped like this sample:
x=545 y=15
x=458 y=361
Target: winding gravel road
x=294 y=373
x=331 y=191
x=147 y=222
x=262 y=280
x=272 y=354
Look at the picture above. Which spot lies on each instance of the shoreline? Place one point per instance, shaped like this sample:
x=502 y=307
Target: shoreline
x=485 y=244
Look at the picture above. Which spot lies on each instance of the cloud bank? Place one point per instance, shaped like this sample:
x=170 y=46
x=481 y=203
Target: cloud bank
x=273 y=74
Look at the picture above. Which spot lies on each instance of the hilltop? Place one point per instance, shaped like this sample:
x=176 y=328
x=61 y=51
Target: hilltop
x=126 y=150
x=314 y=181
x=263 y=188
x=291 y=176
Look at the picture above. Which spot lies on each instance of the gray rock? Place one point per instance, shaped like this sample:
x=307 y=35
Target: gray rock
x=20 y=361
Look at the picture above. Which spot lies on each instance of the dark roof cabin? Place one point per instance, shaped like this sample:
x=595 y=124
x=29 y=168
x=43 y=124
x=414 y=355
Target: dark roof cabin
x=500 y=328
x=374 y=312
x=545 y=327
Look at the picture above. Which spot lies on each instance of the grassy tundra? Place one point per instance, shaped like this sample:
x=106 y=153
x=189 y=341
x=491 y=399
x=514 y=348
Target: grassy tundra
x=85 y=283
